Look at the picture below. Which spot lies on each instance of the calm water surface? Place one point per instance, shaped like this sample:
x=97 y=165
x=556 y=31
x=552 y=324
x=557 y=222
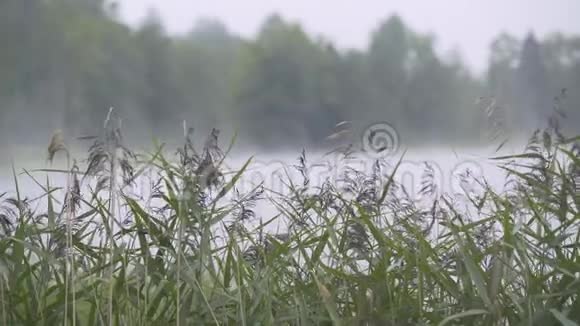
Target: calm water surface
x=445 y=165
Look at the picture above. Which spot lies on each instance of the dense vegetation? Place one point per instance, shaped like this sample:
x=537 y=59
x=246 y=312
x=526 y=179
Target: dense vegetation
x=65 y=62
x=194 y=251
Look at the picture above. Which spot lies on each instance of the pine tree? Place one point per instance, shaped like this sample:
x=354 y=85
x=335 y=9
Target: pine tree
x=532 y=91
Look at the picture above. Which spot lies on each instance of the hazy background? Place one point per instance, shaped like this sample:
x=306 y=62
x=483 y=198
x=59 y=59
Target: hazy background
x=285 y=73
x=467 y=27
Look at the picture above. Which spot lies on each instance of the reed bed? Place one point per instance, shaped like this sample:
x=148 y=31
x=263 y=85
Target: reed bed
x=196 y=251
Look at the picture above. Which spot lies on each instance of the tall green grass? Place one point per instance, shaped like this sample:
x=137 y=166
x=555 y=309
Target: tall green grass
x=194 y=251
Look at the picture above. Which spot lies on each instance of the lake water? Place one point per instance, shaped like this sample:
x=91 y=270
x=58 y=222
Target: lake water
x=446 y=165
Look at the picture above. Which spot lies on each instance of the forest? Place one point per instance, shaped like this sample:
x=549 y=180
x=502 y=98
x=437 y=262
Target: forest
x=64 y=63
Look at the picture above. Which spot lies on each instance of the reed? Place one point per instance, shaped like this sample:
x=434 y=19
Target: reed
x=194 y=251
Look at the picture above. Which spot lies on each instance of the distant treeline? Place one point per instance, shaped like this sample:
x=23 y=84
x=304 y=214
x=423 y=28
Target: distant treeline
x=63 y=63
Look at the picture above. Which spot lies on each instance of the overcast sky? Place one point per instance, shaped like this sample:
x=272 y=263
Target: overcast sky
x=465 y=25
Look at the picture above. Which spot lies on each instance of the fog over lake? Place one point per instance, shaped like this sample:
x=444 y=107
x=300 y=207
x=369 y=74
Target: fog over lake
x=269 y=162
x=452 y=171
